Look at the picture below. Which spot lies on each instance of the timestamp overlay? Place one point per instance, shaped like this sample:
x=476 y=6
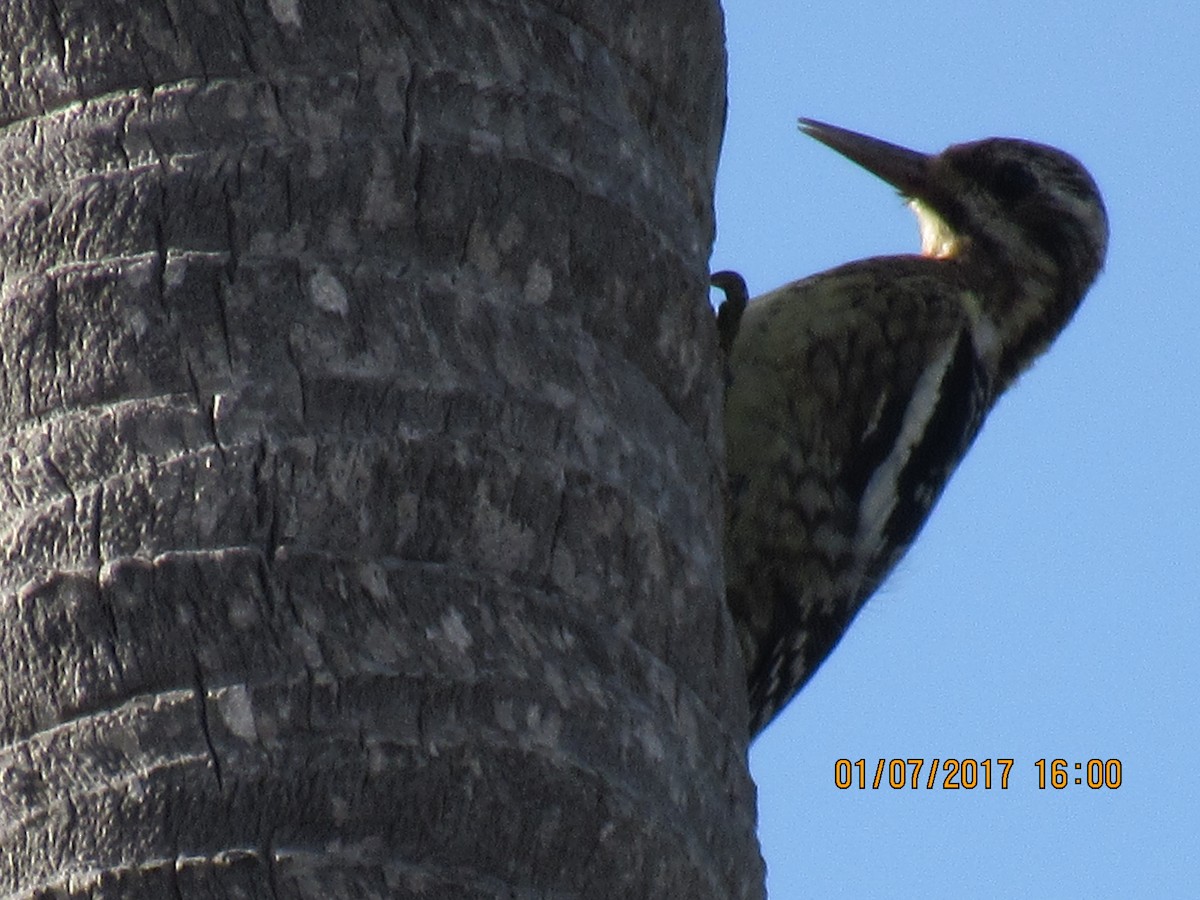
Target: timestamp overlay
x=956 y=774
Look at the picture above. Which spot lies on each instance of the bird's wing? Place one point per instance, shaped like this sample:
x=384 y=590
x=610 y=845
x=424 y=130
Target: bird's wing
x=853 y=396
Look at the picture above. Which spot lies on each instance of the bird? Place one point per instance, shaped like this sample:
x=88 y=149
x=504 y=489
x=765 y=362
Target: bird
x=852 y=395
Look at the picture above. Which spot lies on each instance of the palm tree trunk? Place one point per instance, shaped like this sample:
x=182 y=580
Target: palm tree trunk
x=360 y=493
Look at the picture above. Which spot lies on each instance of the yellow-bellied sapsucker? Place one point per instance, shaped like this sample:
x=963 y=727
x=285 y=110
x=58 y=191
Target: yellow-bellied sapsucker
x=852 y=395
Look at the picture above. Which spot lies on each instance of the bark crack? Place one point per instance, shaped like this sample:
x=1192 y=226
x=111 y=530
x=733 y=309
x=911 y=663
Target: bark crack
x=202 y=713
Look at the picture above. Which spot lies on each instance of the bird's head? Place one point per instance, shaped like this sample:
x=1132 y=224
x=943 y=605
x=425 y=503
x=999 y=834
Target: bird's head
x=1021 y=212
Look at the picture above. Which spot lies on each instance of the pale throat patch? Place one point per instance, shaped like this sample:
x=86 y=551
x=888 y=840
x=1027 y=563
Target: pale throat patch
x=937 y=239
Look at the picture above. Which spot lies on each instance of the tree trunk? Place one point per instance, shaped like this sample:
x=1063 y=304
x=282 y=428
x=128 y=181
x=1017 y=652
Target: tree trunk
x=360 y=492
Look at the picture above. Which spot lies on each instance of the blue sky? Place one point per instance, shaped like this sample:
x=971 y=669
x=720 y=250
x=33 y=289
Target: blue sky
x=1050 y=607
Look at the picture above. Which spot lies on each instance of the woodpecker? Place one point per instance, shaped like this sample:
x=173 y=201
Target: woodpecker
x=852 y=395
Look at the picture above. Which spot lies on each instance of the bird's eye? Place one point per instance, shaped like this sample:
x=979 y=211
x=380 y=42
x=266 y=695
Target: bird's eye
x=1009 y=181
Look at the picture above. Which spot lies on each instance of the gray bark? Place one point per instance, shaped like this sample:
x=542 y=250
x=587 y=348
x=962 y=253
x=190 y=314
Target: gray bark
x=360 y=469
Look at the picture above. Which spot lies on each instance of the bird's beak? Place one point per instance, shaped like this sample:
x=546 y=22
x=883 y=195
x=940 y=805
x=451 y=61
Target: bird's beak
x=904 y=169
